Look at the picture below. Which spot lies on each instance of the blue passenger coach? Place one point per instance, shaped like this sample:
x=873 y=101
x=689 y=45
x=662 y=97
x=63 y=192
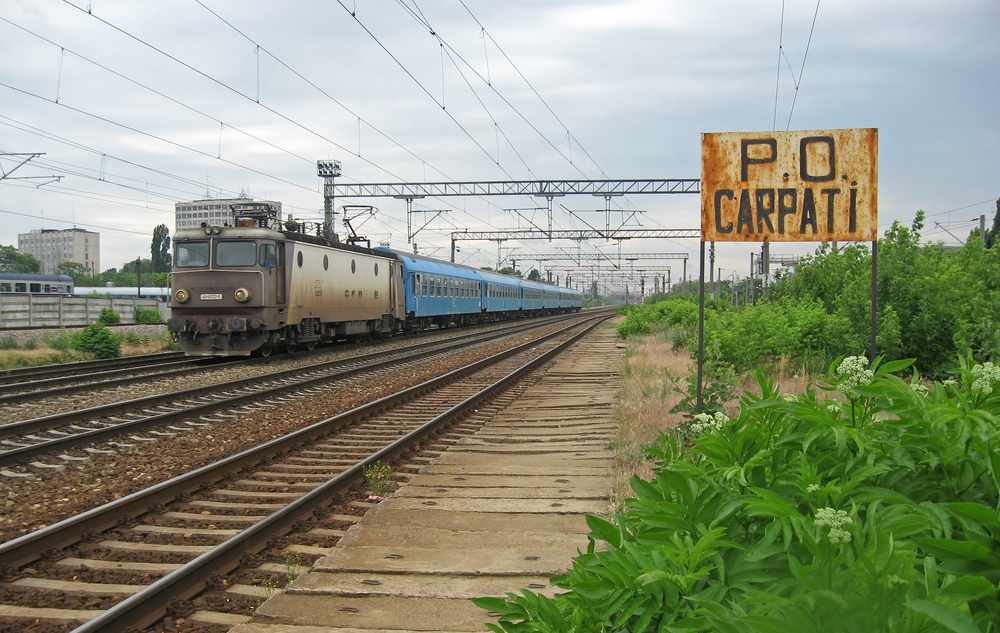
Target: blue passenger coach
x=439 y=293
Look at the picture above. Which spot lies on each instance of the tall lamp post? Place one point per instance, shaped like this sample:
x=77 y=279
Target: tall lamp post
x=328 y=170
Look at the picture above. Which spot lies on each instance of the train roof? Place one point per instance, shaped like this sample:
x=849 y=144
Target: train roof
x=122 y=291
x=256 y=232
x=36 y=277
x=436 y=265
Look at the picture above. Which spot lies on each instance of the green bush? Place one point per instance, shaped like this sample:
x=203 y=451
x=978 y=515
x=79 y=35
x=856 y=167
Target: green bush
x=8 y=342
x=147 y=315
x=62 y=341
x=109 y=316
x=98 y=340
x=30 y=344
x=803 y=514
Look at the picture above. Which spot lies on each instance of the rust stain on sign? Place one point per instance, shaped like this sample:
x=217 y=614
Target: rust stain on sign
x=804 y=186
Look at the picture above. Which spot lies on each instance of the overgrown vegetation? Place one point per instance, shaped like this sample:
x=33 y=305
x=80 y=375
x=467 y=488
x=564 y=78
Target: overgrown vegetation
x=933 y=305
x=109 y=316
x=876 y=510
x=379 y=479
x=147 y=315
x=97 y=340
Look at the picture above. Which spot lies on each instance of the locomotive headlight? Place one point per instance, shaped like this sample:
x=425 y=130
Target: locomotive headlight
x=242 y=295
x=182 y=295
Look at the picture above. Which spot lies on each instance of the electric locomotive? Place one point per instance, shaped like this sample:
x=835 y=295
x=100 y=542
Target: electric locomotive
x=262 y=285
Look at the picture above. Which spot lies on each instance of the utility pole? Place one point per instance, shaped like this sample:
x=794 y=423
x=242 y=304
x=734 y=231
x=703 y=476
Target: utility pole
x=711 y=270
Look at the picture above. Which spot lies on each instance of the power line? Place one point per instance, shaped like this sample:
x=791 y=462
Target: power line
x=528 y=83
x=153 y=136
x=802 y=69
x=422 y=87
x=320 y=90
x=93 y=226
x=59 y=139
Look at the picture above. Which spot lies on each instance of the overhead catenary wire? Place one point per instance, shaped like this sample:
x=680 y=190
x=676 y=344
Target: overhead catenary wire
x=798 y=81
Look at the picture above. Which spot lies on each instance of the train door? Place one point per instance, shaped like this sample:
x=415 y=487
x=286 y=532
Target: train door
x=279 y=273
x=397 y=290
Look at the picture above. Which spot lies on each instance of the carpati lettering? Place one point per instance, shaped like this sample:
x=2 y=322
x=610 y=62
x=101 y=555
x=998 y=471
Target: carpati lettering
x=830 y=194
x=746 y=213
x=804 y=163
x=786 y=208
x=764 y=211
x=728 y=193
x=852 y=225
x=796 y=210
x=808 y=212
x=746 y=161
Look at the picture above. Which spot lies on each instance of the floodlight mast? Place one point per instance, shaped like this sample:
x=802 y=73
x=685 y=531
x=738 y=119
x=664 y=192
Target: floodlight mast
x=328 y=170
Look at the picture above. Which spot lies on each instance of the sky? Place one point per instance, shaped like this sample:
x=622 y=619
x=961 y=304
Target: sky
x=139 y=105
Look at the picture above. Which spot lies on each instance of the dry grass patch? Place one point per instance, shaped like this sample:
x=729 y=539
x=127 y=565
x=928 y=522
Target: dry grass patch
x=647 y=395
x=644 y=402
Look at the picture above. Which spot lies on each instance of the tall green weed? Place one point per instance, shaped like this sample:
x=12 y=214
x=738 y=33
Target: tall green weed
x=873 y=511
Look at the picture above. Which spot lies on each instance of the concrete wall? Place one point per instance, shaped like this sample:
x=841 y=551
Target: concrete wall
x=40 y=310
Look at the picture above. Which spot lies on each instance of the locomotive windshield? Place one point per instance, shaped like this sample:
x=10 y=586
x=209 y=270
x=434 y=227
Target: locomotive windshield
x=235 y=253
x=191 y=254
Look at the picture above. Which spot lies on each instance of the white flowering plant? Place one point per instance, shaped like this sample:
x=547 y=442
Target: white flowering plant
x=791 y=518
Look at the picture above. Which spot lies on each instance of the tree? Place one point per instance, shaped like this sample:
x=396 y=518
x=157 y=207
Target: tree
x=991 y=234
x=14 y=261
x=75 y=270
x=160 y=249
x=534 y=275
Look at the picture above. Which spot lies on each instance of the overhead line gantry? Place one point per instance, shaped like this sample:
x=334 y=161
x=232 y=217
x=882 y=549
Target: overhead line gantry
x=547 y=189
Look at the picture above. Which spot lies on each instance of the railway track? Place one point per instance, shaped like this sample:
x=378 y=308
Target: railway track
x=44 y=372
x=212 y=543
x=36 y=383
x=120 y=422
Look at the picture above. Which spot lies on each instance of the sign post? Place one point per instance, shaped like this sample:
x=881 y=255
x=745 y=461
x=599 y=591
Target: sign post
x=797 y=186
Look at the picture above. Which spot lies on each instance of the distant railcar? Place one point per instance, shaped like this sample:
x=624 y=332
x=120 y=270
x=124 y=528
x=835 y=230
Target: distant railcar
x=25 y=283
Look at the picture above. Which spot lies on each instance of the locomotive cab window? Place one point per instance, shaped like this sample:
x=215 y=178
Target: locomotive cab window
x=191 y=254
x=235 y=253
x=268 y=256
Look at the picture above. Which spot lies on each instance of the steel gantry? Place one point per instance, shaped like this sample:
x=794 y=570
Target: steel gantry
x=548 y=189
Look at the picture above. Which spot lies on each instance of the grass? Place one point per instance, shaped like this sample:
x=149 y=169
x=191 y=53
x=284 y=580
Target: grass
x=42 y=353
x=647 y=395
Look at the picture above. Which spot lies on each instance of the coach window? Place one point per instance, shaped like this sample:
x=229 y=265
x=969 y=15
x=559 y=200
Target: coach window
x=235 y=253
x=376 y=269
x=326 y=262
x=191 y=254
x=354 y=266
x=5 y=287
x=299 y=259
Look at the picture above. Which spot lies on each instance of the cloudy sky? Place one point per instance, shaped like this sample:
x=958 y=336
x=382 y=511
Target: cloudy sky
x=138 y=105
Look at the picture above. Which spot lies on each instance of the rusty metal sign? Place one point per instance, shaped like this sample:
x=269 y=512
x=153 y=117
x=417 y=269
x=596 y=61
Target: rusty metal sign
x=804 y=186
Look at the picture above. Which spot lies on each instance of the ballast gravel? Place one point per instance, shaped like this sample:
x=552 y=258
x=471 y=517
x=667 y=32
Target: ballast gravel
x=31 y=504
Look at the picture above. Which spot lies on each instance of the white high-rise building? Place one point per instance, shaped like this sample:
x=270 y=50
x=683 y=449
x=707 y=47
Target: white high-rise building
x=52 y=247
x=189 y=215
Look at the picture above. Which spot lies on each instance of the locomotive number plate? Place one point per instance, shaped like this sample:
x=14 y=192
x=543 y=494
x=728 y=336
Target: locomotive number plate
x=211 y=297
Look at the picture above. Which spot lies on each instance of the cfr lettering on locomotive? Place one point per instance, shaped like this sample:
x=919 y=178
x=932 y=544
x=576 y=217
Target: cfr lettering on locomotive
x=803 y=186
